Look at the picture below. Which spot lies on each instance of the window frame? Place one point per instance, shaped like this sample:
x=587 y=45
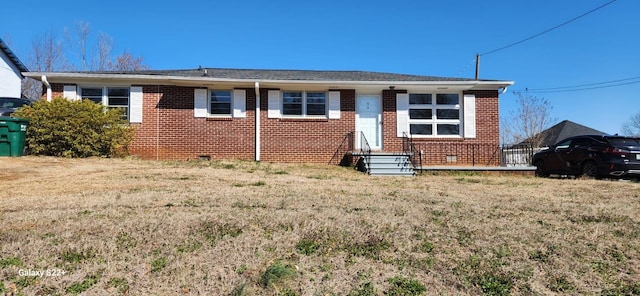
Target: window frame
x=105 y=97
x=209 y=103
x=92 y=97
x=434 y=122
x=305 y=104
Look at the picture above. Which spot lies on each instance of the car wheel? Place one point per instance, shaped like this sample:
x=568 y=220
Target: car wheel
x=589 y=170
x=541 y=171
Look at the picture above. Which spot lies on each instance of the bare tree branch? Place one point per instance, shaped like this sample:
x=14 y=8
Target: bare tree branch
x=127 y=62
x=632 y=127
x=79 y=38
x=105 y=44
x=48 y=54
x=528 y=121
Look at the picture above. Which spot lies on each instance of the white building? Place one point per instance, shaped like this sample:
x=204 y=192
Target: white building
x=10 y=72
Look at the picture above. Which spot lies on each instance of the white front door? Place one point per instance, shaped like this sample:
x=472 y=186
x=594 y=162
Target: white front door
x=368 y=120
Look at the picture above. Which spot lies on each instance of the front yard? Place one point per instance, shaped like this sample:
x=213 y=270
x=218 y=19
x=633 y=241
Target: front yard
x=113 y=226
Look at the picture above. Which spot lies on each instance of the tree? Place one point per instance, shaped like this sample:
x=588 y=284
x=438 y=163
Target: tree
x=127 y=62
x=79 y=52
x=528 y=121
x=632 y=127
x=88 y=53
x=79 y=39
x=90 y=56
x=105 y=44
x=47 y=55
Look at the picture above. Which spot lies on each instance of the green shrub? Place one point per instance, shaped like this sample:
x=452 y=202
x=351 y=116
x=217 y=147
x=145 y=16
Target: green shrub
x=75 y=129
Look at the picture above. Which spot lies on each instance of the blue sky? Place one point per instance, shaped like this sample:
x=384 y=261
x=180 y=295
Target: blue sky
x=438 y=38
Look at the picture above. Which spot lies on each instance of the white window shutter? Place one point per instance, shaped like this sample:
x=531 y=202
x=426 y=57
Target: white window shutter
x=274 y=104
x=200 y=102
x=334 y=105
x=469 y=116
x=70 y=92
x=402 y=114
x=135 y=104
x=239 y=103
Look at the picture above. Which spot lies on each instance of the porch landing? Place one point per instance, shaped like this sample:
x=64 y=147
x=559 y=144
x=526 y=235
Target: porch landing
x=498 y=170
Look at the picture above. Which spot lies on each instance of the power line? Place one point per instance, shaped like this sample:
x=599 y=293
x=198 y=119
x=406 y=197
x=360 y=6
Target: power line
x=548 y=30
x=583 y=87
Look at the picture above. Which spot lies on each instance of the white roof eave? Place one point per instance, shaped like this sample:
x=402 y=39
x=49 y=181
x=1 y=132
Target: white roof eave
x=54 y=77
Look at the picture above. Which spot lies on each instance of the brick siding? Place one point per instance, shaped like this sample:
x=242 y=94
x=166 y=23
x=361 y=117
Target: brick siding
x=302 y=140
x=466 y=151
x=170 y=131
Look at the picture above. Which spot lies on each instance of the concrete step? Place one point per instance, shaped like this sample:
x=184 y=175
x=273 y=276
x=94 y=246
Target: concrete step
x=389 y=164
x=391 y=172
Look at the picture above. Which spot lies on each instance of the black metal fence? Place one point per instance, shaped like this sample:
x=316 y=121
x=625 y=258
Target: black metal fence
x=441 y=153
x=517 y=155
x=466 y=154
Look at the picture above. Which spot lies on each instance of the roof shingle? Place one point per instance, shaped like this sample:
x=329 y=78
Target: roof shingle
x=293 y=75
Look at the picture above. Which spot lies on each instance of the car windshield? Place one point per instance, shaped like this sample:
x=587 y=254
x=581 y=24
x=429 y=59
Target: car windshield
x=624 y=142
x=11 y=103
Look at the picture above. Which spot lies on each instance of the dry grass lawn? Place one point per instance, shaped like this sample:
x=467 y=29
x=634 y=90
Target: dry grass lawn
x=131 y=227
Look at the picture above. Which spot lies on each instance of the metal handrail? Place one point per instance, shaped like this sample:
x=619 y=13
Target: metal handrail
x=365 y=148
x=409 y=149
x=346 y=140
x=489 y=154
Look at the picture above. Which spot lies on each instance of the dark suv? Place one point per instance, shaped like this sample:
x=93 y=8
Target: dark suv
x=591 y=156
x=9 y=105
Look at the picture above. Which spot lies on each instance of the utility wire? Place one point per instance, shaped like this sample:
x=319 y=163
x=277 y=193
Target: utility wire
x=560 y=90
x=582 y=85
x=548 y=30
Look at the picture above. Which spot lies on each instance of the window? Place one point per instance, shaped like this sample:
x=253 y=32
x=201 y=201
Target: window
x=118 y=98
x=434 y=117
x=564 y=145
x=220 y=102
x=316 y=103
x=94 y=94
x=112 y=97
x=292 y=103
x=582 y=142
x=299 y=103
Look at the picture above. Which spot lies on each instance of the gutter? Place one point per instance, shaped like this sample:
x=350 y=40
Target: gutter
x=469 y=84
x=257 y=122
x=46 y=83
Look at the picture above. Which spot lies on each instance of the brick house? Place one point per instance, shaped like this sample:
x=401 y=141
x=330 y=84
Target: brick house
x=287 y=115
